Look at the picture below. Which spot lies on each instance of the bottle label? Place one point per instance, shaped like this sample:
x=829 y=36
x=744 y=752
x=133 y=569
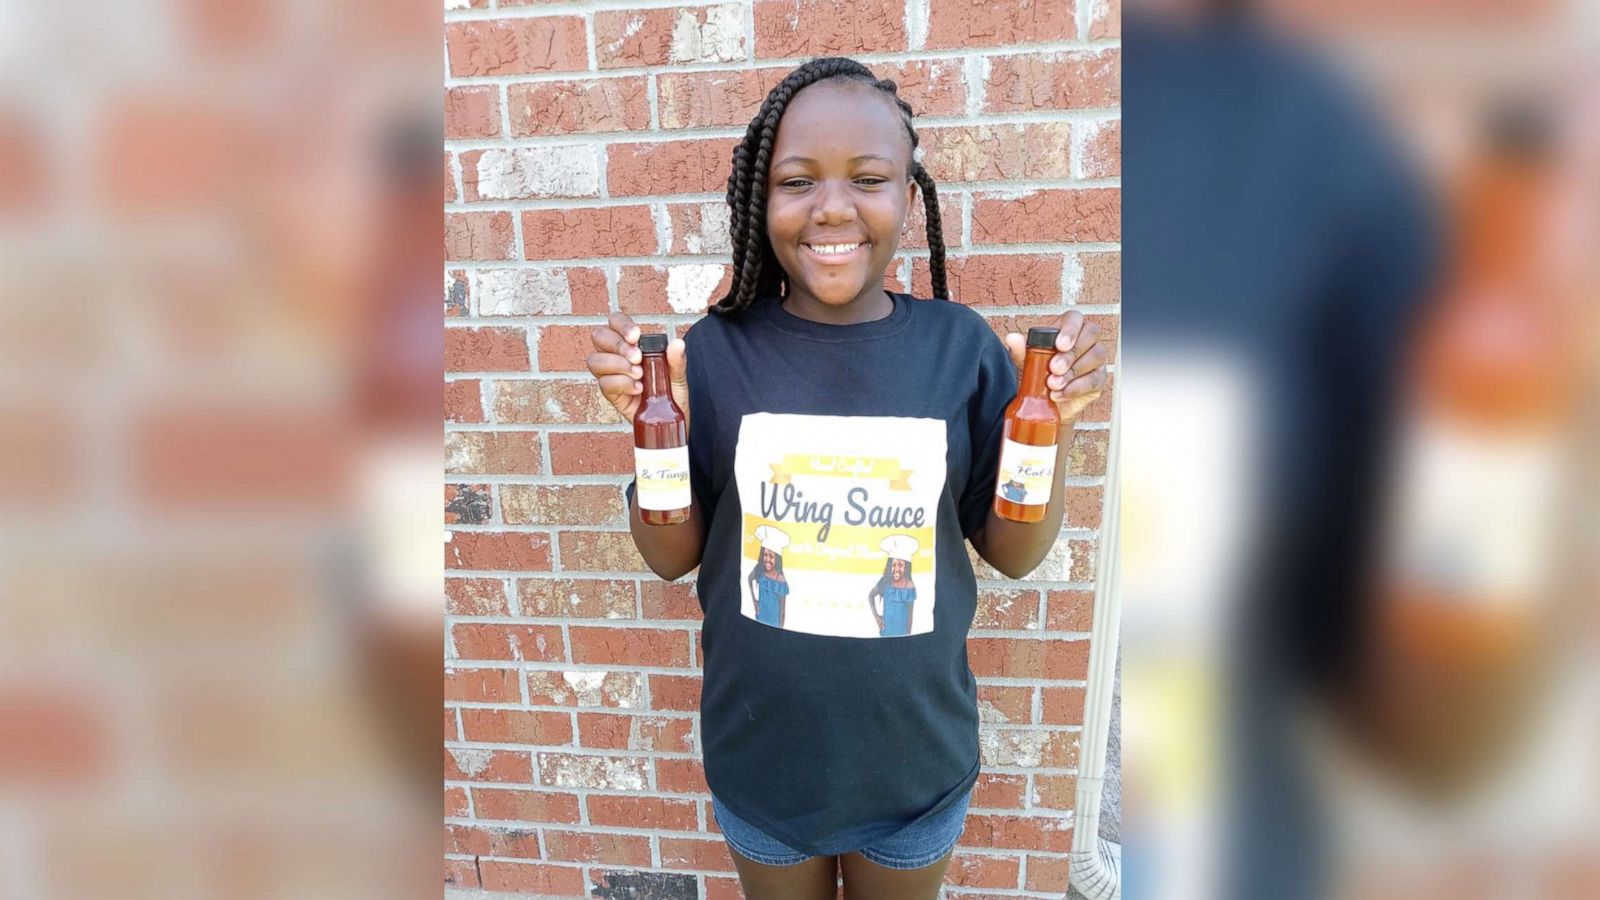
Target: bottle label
x=663 y=478
x=1026 y=473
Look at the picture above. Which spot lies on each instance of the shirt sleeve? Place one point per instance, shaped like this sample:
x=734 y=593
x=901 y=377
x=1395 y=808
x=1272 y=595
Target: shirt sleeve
x=996 y=387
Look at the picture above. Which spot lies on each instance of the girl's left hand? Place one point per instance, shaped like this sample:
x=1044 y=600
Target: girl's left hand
x=1078 y=367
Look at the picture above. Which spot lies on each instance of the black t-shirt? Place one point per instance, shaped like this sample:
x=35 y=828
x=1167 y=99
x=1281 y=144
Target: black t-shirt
x=842 y=468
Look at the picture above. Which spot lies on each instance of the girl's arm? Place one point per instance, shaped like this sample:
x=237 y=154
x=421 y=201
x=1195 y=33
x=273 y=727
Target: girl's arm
x=671 y=551
x=1016 y=548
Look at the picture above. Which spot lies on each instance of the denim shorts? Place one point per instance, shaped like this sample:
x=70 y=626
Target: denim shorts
x=917 y=845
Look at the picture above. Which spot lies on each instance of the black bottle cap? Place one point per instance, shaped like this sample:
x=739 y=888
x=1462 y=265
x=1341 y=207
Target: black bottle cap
x=1043 y=337
x=654 y=342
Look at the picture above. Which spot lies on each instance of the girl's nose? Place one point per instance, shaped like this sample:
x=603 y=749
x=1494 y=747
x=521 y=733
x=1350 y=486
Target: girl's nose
x=833 y=206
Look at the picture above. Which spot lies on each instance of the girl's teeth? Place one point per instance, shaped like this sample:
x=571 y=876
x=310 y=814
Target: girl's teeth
x=834 y=248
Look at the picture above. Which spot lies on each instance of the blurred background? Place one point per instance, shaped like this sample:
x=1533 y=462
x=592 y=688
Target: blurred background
x=1361 y=282
x=220 y=243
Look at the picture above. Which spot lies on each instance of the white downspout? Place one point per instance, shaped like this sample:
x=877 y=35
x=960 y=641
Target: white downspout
x=1095 y=865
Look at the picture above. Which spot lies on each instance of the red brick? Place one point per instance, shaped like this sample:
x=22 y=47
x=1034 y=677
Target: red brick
x=531 y=878
x=644 y=37
x=517 y=46
x=1107 y=19
x=1000 y=703
x=476 y=640
x=1055 y=791
x=471 y=112
x=916 y=236
x=475 y=597
x=497 y=766
x=1083 y=507
x=1100 y=409
x=723 y=889
x=995 y=791
x=564 y=348
x=1001 y=280
x=451 y=195
x=483 y=685
x=231 y=457
x=451 y=732
x=606 y=731
x=516 y=726
x=681 y=776
x=998 y=152
x=1102 y=150
x=643 y=812
x=497 y=552
x=1012 y=609
x=491 y=841
x=1028 y=658
x=707 y=99
x=587 y=233
x=496 y=349
x=455 y=802
x=161 y=154
x=629 y=646
x=1047 y=215
x=1018 y=832
x=578 y=107
x=1069 y=610
x=492 y=453
x=1078 y=79
x=700 y=855
x=592 y=847
x=591 y=453
x=461 y=873
x=583 y=598
x=972 y=870
x=1062 y=705
x=1047 y=873
x=984 y=23
x=675 y=692
x=563 y=504
x=642 y=290
x=670 y=600
x=600 y=551
x=593 y=772
x=668 y=167
x=609 y=689
x=560 y=402
x=933 y=87
x=786 y=28
x=463 y=401
x=1102 y=278
x=478 y=236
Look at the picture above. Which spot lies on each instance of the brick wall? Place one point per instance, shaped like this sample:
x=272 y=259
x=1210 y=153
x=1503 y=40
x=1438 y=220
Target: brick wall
x=587 y=152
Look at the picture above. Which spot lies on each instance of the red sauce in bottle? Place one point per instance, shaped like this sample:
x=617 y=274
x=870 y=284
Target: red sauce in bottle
x=1028 y=448
x=660 y=441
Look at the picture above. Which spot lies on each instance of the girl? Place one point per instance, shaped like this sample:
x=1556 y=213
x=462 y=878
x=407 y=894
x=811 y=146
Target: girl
x=895 y=596
x=828 y=750
x=766 y=582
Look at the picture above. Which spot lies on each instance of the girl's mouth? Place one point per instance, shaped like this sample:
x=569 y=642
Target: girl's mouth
x=835 y=254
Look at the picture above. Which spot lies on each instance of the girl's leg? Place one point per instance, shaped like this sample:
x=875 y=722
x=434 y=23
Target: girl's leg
x=866 y=880
x=815 y=879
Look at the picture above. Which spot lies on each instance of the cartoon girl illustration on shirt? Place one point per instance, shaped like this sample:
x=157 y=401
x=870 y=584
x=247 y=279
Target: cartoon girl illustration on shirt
x=767 y=584
x=893 y=597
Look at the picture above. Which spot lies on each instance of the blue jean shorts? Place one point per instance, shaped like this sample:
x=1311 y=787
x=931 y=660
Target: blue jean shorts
x=917 y=845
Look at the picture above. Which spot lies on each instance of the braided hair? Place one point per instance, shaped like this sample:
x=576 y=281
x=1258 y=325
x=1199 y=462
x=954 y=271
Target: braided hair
x=756 y=271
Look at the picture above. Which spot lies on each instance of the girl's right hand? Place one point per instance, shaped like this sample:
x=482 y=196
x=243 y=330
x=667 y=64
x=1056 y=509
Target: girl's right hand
x=616 y=365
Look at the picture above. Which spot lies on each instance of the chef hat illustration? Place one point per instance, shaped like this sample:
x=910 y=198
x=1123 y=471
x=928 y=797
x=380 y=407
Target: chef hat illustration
x=771 y=538
x=899 y=546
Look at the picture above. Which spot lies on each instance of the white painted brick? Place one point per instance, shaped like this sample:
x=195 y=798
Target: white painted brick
x=690 y=286
x=528 y=172
x=713 y=236
x=522 y=292
x=719 y=39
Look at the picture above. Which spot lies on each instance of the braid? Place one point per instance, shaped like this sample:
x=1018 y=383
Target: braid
x=755 y=268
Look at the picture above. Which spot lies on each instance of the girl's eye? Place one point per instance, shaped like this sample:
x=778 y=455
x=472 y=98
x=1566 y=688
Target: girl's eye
x=796 y=182
x=872 y=179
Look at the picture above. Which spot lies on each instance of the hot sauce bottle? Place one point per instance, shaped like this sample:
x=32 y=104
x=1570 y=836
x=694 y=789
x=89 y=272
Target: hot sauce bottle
x=1028 y=450
x=660 y=442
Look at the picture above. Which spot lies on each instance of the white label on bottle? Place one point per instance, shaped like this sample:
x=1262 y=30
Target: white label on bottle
x=1026 y=473
x=1475 y=515
x=663 y=478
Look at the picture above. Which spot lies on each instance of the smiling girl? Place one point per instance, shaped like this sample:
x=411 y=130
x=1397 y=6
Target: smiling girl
x=828 y=747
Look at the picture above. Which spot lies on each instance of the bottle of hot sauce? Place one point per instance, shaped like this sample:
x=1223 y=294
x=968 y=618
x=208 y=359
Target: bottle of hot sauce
x=660 y=441
x=1028 y=451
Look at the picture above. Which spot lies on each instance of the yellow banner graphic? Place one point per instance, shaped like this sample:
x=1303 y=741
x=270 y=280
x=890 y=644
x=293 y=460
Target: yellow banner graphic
x=886 y=467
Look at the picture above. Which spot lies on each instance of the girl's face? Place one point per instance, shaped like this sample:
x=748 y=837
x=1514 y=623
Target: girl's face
x=838 y=191
x=766 y=559
x=899 y=569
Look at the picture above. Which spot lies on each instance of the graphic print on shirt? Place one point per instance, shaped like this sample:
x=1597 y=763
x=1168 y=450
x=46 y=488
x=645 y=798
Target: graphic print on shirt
x=838 y=527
